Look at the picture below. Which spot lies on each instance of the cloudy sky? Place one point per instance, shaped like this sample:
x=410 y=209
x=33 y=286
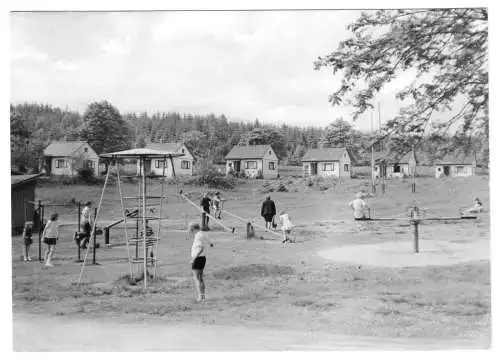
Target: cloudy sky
x=246 y=65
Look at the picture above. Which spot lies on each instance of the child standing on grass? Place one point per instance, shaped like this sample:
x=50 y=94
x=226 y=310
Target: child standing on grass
x=286 y=226
x=50 y=235
x=86 y=219
x=198 y=258
x=27 y=240
x=359 y=207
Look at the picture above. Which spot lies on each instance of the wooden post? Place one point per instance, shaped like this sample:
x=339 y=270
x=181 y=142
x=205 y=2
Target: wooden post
x=415 y=235
x=106 y=236
x=250 y=230
x=95 y=238
x=204 y=224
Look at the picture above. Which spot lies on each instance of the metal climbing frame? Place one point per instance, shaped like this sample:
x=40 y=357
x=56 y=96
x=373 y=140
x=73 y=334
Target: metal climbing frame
x=142 y=202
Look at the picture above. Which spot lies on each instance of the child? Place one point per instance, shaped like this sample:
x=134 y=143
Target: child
x=359 y=207
x=198 y=258
x=205 y=204
x=286 y=226
x=149 y=236
x=217 y=202
x=50 y=235
x=86 y=220
x=477 y=207
x=28 y=240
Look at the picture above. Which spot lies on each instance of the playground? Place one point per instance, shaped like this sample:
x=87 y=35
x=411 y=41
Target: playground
x=341 y=278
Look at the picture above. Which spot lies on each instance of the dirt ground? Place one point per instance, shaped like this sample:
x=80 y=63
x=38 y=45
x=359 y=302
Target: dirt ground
x=343 y=284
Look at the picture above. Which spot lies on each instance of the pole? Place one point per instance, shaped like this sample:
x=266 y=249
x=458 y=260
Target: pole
x=144 y=225
x=373 y=172
x=95 y=237
x=137 y=239
x=79 y=214
x=40 y=231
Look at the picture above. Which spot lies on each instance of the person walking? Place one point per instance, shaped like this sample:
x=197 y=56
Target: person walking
x=268 y=211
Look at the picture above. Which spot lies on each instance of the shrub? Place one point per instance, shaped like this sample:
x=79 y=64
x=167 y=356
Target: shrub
x=85 y=173
x=282 y=188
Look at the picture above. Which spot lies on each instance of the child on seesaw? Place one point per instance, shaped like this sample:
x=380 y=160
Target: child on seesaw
x=477 y=207
x=359 y=207
x=217 y=203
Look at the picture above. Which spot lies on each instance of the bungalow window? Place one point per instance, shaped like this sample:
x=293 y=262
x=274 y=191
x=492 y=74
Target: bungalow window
x=460 y=169
x=85 y=149
x=251 y=165
x=159 y=164
x=185 y=164
x=272 y=166
x=328 y=167
x=396 y=168
x=60 y=163
x=90 y=164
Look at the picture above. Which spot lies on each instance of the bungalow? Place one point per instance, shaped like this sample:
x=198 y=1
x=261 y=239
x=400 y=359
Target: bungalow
x=181 y=165
x=458 y=165
x=252 y=160
x=328 y=162
x=22 y=192
x=66 y=157
x=397 y=166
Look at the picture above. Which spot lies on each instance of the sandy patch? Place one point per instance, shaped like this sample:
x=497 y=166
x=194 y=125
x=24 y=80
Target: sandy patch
x=400 y=254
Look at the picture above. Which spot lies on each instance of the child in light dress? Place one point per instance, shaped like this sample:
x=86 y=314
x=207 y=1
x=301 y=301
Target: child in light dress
x=359 y=207
x=477 y=207
x=286 y=226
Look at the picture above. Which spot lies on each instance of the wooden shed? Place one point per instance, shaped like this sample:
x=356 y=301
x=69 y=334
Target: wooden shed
x=22 y=191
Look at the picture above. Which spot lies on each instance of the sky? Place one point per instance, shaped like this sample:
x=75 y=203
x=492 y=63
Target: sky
x=246 y=65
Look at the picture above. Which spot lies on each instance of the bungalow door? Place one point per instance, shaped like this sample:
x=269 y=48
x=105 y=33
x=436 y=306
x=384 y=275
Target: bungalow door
x=237 y=165
x=314 y=168
x=446 y=170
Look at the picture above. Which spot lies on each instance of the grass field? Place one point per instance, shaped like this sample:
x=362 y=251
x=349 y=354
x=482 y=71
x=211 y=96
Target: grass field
x=262 y=283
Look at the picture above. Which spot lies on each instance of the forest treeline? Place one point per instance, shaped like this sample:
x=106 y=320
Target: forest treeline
x=34 y=125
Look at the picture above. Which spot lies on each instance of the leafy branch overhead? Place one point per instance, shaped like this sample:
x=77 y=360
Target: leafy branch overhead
x=446 y=47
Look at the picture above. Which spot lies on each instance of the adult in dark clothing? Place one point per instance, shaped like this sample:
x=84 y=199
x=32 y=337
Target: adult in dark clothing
x=205 y=204
x=268 y=212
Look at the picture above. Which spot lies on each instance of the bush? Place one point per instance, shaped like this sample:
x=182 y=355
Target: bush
x=213 y=179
